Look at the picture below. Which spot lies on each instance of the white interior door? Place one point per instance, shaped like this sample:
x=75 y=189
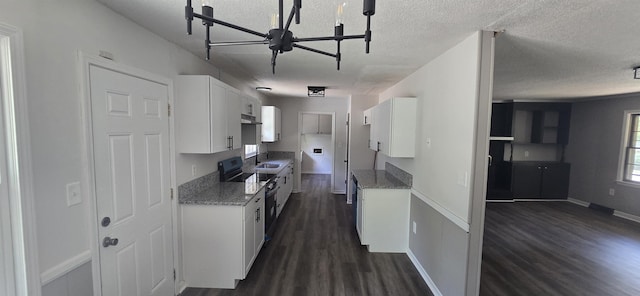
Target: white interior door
x=132 y=175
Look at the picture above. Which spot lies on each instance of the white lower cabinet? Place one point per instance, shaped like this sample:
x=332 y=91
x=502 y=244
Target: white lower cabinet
x=220 y=243
x=383 y=219
x=285 y=187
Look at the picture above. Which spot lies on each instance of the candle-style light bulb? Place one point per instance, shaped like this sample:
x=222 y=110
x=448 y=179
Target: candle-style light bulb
x=340 y=13
x=274 y=20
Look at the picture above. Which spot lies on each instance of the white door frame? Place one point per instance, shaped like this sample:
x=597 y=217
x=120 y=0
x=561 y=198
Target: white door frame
x=333 y=145
x=24 y=271
x=85 y=62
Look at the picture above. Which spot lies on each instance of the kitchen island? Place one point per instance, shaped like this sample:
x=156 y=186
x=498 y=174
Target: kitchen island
x=222 y=232
x=382 y=211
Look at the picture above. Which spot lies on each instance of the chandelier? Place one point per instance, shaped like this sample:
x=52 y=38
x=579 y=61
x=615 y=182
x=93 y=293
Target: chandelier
x=279 y=38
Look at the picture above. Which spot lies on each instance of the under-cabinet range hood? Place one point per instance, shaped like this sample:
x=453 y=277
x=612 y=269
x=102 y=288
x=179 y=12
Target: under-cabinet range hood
x=248 y=119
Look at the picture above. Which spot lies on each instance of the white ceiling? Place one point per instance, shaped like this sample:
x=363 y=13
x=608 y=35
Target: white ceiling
x=551 y=49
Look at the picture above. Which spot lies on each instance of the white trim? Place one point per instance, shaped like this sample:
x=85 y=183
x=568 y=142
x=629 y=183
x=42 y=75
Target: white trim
x=423 y=273
x=333 y=146
x=578 y=202
x=182 y=285
x=627 y=216
x=500 y=200
x=20 y=180
x=339 y=192
x=629 y=184
x=65 y=267
x=626 y=128
x=501 y=138
x=537 y=199
x=442 y=210
x=85 y=61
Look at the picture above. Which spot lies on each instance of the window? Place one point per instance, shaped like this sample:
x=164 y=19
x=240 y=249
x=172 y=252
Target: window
x=250 y=150
x=631 y=164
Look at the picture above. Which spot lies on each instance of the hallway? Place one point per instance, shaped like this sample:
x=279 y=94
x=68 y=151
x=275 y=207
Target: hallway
x=316 y=251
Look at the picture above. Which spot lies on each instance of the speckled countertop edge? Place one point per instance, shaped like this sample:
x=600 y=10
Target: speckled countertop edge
x=225 y=194
x=380 y=179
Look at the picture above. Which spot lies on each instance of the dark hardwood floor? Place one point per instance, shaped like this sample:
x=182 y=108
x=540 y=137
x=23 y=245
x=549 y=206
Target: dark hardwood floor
x=316 y=251
x=558 y=248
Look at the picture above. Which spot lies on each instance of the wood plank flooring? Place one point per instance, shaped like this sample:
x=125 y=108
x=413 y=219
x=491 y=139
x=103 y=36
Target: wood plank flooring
x=558 y=248
x=316 y=251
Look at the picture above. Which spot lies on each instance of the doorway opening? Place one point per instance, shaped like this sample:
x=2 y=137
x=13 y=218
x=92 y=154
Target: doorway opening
x=316 y=145
x=19 y=274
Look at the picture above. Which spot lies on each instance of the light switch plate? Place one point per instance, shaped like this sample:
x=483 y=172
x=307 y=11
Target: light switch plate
x=74 y=195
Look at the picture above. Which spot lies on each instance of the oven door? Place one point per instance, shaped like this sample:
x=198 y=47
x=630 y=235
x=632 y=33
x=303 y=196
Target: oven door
x=270 y=210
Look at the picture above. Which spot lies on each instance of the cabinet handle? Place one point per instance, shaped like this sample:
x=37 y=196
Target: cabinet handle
x=365 y=119
x=232 y=140
x=539 y=168
x=258 y=215
x=378 y=146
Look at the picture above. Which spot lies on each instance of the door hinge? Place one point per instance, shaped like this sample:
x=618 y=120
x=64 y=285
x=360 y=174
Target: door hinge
x=169 y=110
x=174 y=274
x=171 y=192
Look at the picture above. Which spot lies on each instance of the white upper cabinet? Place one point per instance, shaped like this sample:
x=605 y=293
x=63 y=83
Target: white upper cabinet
x=207 y=115
x=393 y=127
x=271 y=124
x=366 y=118
x=234 y=123
x=316 y=124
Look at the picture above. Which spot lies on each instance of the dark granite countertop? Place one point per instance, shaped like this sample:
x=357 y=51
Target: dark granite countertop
x=381 y=179
x=226 y=193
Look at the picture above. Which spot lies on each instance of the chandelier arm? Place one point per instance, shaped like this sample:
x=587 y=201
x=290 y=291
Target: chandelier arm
x=229 y=25
x=286 y=28
x=327 y=38
x=274 y=55
x=281 y=13
x=230 y=43
x=314 y=50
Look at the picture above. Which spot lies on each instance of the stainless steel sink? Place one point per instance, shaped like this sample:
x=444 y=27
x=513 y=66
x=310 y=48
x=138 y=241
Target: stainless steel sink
x=268 y=166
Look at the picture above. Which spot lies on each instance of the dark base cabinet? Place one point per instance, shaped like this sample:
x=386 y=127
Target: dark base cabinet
x=540 y=180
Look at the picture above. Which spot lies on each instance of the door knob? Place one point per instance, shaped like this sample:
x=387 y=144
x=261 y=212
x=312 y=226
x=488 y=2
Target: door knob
x=107 y=241
x=105 y=221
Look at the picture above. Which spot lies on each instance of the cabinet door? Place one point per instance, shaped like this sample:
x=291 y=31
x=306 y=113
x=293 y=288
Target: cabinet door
x=526 y=180
x=309 y=123
x=375 y=126
x=218 y=116
x=383 y=123
x=278 y=124
x=233 y=114
x=360 y=215
x=250 y=217
x=324 y=124
x=259 y=225
x=367 y=116
x=555 y=181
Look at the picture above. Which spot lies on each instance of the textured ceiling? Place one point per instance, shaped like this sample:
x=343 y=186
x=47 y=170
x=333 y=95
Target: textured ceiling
x=551 y=49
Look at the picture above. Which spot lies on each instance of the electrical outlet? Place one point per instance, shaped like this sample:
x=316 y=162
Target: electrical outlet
x=193 y=170
x=428 y=142
x=74 y=196
x=612 y=192
x=526 y=154
x=463 y=179
x=414 y=227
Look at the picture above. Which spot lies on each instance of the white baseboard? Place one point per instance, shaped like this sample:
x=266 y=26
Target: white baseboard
x=424 y=274
x=624 y=215
x=500 y=200
x=578 y=202
x=181 y=287
x=65 y=267
x=537 y=199
x=339 y=192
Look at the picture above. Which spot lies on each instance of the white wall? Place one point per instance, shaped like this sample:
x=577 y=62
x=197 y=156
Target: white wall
x=54 y=32
x=313 y=163
x=448 y=90
x=447 y=97
x=290 y=108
